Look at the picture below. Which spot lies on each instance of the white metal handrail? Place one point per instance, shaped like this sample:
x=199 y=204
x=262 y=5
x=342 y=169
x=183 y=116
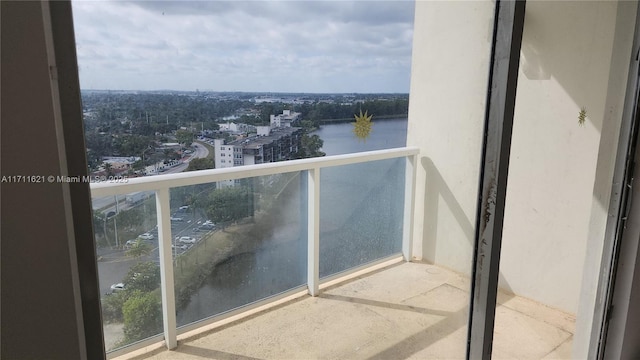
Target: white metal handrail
x=166 y=181
x=162 y=184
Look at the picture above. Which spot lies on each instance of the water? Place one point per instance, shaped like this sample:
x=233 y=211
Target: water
x=385 y=134
x=361 y=220
x=361 y=205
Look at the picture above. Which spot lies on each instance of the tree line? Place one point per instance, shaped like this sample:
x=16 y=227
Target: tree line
x=149 y=113
x=134 y=124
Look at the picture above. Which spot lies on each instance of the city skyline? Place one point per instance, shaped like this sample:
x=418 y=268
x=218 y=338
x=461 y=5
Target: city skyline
x=245 y=46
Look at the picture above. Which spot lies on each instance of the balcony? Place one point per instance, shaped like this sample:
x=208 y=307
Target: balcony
x=338 y=228
x=564 y=191
x=283 y=229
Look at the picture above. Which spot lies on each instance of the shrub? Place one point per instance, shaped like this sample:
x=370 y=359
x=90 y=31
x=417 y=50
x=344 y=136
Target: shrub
x=142 y=316
x=112 y=307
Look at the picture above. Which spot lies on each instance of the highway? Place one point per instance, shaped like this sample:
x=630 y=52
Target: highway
x=108 y=203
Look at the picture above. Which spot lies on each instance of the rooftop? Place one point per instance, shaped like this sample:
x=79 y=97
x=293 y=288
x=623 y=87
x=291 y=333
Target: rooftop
x=258 y=141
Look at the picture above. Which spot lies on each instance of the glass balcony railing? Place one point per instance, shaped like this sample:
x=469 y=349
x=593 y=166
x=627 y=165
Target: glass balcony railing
x=237 y=243
x=361 y=213
x=181 y=251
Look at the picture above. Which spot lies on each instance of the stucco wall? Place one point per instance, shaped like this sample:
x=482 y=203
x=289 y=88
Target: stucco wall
x=567 y=64
x=575 y=54
x=451 y=50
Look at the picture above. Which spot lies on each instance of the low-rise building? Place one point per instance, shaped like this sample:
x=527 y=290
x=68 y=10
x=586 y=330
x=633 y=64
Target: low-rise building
x=269 y=145
x=285 y=119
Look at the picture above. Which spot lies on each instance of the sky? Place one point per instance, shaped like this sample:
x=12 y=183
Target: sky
x=330 y=46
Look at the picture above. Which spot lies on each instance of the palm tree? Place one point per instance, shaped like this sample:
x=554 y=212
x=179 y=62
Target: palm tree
x=107 y=167
x=139 y=249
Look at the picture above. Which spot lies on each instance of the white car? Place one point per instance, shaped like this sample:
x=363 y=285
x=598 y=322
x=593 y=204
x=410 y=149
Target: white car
x=176 y=218
x=117 y=287
x=183 y=247
x=131 y=243
x=187 y=240
x=146 y=236
x=207 y=226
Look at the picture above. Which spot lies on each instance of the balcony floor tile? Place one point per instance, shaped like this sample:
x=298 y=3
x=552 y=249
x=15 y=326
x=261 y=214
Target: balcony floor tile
x=410 y=310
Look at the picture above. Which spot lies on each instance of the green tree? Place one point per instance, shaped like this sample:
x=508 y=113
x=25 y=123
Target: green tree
x=142 y=315
x=307 y=125
x=139 y=249
x=200 y=164
x=144 y=276
x=130 y=218
x=184 y=137
x=268 y=109
x=228 y=204
x=132 y=145
x=98 y=225
x=211 y=125
x=112 y=306
x=310 y=147
x=108 y=169
x=170 y=155
x=138 y=165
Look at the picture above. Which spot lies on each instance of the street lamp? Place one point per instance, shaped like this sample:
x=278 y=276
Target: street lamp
x=115 y=222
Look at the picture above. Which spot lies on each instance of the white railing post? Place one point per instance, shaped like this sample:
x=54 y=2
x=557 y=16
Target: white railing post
x=166 y=268
x=313 y=231
x=409 y=201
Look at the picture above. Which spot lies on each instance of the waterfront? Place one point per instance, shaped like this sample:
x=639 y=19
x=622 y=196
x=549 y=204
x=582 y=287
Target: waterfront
x=385 y=134
x=361 y=216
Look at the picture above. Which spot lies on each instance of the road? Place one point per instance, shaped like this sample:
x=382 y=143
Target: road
x=113 y=264
x=200 y=151
x=108 y=203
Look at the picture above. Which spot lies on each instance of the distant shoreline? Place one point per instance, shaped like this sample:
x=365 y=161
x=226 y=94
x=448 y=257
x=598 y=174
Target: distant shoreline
x=351 y=119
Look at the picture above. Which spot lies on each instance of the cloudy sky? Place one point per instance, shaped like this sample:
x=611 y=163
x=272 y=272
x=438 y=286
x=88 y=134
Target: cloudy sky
x=266 y=46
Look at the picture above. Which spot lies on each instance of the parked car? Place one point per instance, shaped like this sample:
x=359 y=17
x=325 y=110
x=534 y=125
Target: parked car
x=117 y=287
x=131 y=243
x=207 y=227
x=183 y=247
x=187 y=240
x=146 y=236
x=174 y=218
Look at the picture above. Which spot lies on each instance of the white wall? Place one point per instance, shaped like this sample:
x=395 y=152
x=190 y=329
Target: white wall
x=450 y=67
x=220 y=155
x=623 y=37
x=553 y=200
x=574 y=54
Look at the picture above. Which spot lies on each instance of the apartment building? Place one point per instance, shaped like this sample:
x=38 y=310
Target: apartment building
x=271 y=144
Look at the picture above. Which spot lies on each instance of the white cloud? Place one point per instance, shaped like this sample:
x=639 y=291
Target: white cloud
x=292 y=46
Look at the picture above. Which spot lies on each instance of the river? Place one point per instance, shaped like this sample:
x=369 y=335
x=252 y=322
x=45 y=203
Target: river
x=385 y=134
x=361 y=221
